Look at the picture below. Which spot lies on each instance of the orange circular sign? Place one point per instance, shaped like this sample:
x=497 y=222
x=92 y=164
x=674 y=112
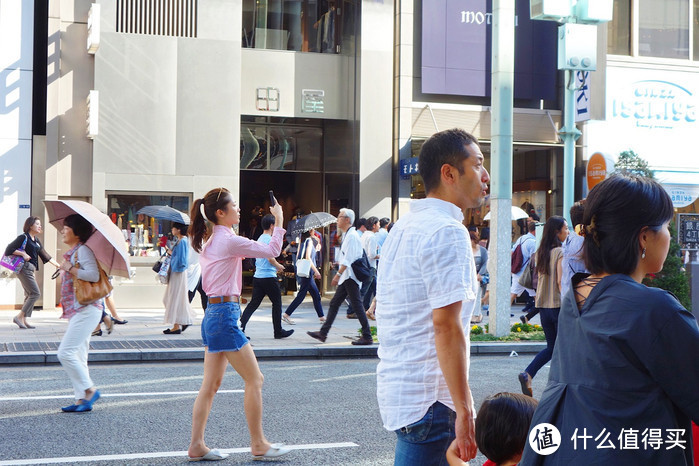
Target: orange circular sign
x=597 y=169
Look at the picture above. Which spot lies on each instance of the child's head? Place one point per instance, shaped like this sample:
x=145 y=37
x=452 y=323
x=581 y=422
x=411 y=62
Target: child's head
x=502 y=425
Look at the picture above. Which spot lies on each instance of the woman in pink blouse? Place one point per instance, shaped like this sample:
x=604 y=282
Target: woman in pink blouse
x=221 y=253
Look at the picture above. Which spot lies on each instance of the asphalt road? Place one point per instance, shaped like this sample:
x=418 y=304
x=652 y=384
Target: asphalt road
x=325 y=409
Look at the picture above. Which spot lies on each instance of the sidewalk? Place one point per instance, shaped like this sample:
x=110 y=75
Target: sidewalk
x=142 y=338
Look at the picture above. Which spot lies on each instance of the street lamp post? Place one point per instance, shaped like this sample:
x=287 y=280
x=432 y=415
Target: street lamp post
x=577 y=51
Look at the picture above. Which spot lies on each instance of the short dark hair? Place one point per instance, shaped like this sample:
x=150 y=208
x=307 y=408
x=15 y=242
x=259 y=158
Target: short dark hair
x=384 y=222
x=531 y=226
x=182 y=227
x=29 y=222
x=361 y=222
x=445 y=147
x=577 y=211
x=267 y=221
x=370 y=222
x=502 y=425
x=81 y=227
x=616 y=210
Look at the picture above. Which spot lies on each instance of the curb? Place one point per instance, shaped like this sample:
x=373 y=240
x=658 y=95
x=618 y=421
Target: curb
x=197 y=354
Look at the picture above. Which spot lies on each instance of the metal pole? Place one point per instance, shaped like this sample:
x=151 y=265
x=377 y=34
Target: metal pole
x=569 y=133
x=501 y=164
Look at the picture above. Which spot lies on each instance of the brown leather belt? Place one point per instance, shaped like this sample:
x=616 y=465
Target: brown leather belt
x=224 y=299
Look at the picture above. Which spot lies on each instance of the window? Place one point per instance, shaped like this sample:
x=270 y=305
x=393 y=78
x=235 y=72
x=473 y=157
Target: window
x=663 y=29
x=301 y=25
x=619 y=29
x=268 y=147
x=142 y=232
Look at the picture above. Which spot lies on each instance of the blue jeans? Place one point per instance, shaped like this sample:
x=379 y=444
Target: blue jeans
x=549 y=321
x=426 y=441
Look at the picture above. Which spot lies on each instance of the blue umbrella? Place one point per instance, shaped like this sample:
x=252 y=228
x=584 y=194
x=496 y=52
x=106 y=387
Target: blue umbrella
x=163 y=212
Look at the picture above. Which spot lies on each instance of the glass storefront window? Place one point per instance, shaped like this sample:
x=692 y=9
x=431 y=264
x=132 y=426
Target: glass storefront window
x=619 y=29
x=143 y=234
x=294 y=148
x=663 y=28
x=300 y=25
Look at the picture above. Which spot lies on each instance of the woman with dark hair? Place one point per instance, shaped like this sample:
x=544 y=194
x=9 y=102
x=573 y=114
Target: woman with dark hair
x=626 y=363
x=307 y=285
x=178 y=311
x=548 y=293
x=28 y=246
x=221 y=257
x=80 y=263
x=480 y=256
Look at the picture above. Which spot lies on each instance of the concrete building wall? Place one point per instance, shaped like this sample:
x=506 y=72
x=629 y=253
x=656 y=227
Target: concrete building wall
x=16 y=73
x=375 y=91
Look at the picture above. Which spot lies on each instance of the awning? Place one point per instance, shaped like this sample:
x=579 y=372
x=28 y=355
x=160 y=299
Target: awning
x=683 y=187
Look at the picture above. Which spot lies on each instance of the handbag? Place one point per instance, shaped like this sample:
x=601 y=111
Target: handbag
x=303 y=266
x=530 y=277
x=159 y=263
x=12 y=262
x=164 y=272
x=89 y=292
x=361 y=268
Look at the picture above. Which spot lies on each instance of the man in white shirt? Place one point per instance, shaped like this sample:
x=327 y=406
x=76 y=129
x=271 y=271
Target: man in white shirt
x=427 y=290
x=371 y=247
x=346 y=281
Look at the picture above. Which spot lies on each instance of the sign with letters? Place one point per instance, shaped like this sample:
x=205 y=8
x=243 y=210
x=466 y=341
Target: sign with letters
x=688 y=231
x=582 y=96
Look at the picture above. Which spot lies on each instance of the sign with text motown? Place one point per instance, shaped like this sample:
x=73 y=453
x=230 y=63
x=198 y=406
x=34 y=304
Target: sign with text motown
x=457 y=48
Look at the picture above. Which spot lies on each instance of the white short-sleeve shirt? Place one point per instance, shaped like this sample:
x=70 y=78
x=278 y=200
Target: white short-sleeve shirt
x=426 y=263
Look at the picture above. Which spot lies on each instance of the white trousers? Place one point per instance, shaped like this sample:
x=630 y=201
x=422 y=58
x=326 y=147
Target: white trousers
x=72 y=352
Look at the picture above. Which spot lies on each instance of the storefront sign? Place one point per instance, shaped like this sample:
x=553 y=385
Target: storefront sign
x=408 y=167
x=682 y=196
x=655 y=104
x=688 y=231
x=652 y=112
x=582 y=96
x=598 y=167
x=312 y=101
x=457 y=49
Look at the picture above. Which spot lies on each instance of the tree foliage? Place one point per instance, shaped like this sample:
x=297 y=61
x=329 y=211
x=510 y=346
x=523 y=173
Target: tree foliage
x=673 y=277
x=630 y=162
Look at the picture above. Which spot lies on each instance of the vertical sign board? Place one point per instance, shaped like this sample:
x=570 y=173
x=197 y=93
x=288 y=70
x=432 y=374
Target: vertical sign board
x=688 y=231
x=582 y=96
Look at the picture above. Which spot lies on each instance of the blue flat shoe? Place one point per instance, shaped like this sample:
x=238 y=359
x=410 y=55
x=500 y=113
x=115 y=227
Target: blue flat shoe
x=86 y=405
x=69 y=409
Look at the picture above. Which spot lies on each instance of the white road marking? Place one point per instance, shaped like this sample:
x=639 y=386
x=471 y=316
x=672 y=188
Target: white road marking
x=105 y=395
x=344 y=377
x=160 y=454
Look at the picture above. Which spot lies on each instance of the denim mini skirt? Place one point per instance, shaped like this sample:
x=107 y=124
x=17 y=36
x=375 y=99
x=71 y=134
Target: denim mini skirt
x=219 y=329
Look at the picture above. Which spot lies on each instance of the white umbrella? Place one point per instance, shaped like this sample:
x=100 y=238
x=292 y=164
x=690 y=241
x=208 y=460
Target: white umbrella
x=517 y=213
x=106 y=242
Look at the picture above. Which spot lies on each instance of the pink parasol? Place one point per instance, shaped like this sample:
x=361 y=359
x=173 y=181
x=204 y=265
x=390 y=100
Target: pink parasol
x=106 y=242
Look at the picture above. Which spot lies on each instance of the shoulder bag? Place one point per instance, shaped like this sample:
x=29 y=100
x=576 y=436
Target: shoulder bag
x=361 y=268
x=89 y=292
x=530 y=277
x=303 y=265
x=12 y=262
